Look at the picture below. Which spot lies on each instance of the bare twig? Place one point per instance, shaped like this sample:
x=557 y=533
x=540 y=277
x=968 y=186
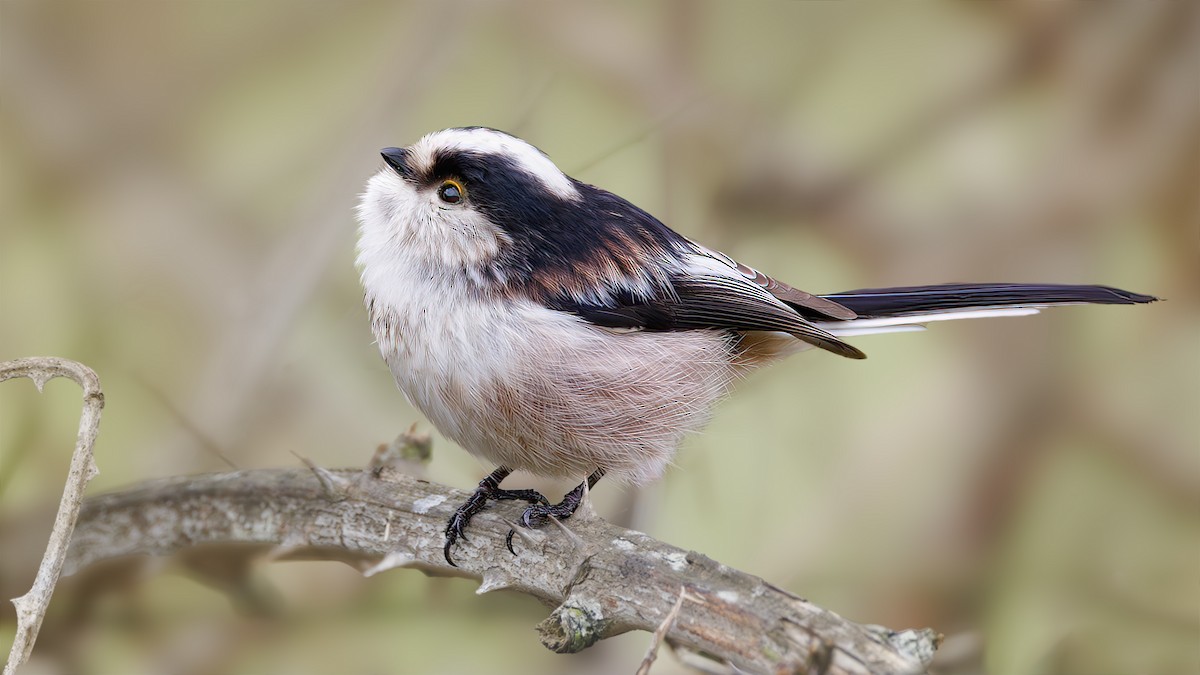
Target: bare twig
x=660 y=634
x=31 y=607
x=611 y=580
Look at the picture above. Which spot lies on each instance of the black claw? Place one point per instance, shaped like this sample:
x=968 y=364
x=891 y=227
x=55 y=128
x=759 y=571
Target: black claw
x=538 y=514
x=454 y=528
x=489 y=488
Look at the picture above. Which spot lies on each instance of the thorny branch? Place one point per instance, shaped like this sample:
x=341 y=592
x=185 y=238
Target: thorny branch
x=605 y=579
x=31 y=607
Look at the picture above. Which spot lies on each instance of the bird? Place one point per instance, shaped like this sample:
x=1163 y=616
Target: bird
x=547 y=325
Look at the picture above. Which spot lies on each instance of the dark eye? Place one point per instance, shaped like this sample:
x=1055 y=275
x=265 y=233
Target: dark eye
x=451 y=192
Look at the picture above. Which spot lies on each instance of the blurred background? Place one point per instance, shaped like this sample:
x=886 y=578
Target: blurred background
x=176 y=198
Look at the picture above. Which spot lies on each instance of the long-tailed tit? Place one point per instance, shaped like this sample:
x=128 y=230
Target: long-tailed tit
x=548 y=325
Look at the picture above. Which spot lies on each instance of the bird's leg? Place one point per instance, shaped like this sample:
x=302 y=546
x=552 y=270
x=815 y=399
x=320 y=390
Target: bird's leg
x=538 y=514
x=489 y=488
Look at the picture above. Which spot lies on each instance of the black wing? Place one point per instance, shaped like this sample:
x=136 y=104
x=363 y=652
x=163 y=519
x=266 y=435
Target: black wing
x=699 y=298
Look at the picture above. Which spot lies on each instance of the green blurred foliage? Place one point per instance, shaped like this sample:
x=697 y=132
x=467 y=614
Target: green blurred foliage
x=176 y=199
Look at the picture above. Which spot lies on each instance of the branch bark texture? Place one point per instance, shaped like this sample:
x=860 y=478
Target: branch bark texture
x=604 y=579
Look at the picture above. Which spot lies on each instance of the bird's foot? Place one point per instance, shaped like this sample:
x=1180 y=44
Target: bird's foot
x=538 y=514
x=489 y=488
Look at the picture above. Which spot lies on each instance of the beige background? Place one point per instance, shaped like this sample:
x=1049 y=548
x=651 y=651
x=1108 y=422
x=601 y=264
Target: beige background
x=176 y=198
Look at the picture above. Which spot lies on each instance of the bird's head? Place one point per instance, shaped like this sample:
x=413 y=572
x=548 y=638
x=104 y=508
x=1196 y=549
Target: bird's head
x=493 y=206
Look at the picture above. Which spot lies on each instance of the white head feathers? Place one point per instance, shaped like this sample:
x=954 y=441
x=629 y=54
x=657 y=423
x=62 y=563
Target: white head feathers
x=490 y=141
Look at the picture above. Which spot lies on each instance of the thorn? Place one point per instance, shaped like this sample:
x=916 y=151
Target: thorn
x=585 y=504
x=278 y=552
x=527 y=535
x=494 y=579
x=334 y=486
x=394 y=559
x=40 y=378
x=576 y=540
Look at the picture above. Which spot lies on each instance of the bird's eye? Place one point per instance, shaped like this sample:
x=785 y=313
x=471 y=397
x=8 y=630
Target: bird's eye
x=451 y=192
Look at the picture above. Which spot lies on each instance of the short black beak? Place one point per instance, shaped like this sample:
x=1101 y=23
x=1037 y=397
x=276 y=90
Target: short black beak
x=395 y=157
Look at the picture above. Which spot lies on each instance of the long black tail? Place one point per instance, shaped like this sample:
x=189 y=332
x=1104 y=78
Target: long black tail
x=914 y=300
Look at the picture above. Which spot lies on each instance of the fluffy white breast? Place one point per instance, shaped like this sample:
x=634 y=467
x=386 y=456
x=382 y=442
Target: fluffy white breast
x=531 y=388
x=444 y=346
